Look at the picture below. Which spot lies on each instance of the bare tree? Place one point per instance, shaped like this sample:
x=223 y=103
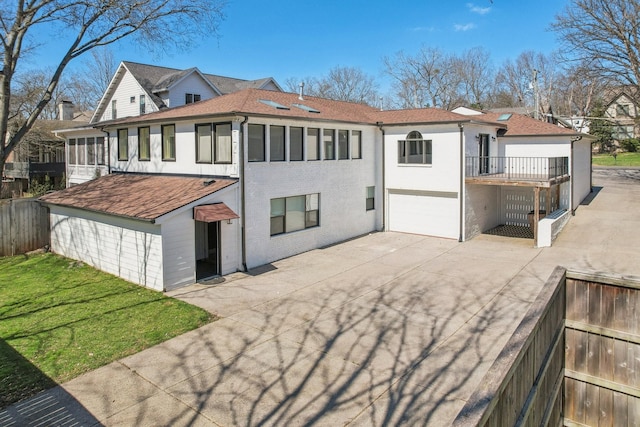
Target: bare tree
x=578 y=91
x=342 y=84
x=27 y=90
x=86 y=86
x=435 y=79
x=605 y=34
x=89 y=24
x=476 y=76
x=420 y=80
x=531 y=74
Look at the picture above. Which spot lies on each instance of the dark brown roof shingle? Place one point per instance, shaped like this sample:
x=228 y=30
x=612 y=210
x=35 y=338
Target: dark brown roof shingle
x=145 y=197
x=521 y=125
x=249 y=102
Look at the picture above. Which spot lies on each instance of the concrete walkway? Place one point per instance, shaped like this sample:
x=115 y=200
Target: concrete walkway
x=386 y=329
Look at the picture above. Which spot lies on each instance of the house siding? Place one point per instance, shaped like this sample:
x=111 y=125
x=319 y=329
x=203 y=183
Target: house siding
x=482 y=209
x=556 y=147
x=341 y=185
x=581 y=173
x=192 y=83
x=179 y=241
x=128 y=87
x=415 y=191
x=124 y=247
x=178 y=251
x=185 y=161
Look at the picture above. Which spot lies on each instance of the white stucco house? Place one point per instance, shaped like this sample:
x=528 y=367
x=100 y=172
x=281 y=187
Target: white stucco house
x=250 y=177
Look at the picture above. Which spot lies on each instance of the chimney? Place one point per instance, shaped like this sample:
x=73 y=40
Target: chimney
x=301 y=91
x=65 y=110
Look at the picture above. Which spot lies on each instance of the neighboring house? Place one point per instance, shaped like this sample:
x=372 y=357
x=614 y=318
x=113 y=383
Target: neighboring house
x=138 y=89
x=624 y=111
x=247 y=178
x=40 y=155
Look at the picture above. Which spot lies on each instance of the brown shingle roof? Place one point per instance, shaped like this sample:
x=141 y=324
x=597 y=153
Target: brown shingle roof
x=521 y=125
x=422 y=115
x=146 y=197
x=248 y=102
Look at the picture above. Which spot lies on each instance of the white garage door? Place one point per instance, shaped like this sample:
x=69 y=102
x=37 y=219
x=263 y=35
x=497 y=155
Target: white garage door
x=431 y=214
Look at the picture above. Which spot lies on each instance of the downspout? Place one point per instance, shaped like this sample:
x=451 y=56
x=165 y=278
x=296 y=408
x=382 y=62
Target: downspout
x=573 y=211
x=461 y=127
x=243 y=215
x=384 y=188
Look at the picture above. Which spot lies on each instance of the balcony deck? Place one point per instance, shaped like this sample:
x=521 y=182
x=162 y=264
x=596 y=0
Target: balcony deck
x=542 y=172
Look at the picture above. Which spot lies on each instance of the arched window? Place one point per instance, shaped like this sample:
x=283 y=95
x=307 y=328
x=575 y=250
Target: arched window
x=414 y=149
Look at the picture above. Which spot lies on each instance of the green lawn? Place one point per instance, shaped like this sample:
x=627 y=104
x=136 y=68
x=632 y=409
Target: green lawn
x=60 y=318
x=622 y=159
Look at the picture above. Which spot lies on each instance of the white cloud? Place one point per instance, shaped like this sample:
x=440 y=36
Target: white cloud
x=477 y=9
x=465 y=27
x=422 y=29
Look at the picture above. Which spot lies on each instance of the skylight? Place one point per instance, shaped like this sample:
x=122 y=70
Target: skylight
x=306 y=108
x=504 y=117
x=274 y=104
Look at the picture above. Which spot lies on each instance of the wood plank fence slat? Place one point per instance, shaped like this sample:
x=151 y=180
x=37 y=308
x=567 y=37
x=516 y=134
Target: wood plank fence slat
x=24 y=226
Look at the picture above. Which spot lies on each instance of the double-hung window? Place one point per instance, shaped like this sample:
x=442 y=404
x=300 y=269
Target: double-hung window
x=296 y=151
x=371 y=198
x=256 y=143
x=91 y=151
x=356 y=144
x=72 y=151
x=276 y=143
x=328 y=137
x=343 y=144
x=414 y=150
x=294 y=213
x=168 y=142
x=204 y=144
x=82 y=147
x=313 y=144
x=190 y=98
x=144 y=143
x=623 y=110
x=123 y=144
x=143 y=105
x=100 y=150
x=223 y=143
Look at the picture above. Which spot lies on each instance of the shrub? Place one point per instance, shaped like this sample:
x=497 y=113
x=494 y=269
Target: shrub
x=632 y=145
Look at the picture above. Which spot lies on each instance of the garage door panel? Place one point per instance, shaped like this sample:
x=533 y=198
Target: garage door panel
x=427 y=215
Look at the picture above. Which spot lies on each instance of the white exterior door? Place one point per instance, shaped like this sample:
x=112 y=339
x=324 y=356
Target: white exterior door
x=430 y=215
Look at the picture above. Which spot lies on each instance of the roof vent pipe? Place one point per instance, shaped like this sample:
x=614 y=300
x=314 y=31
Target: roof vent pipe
x=301 y=91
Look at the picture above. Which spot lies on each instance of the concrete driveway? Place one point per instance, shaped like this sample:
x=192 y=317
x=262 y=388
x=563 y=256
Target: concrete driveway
x=385 y=329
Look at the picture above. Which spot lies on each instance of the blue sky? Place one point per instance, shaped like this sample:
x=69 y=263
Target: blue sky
x=289 y=38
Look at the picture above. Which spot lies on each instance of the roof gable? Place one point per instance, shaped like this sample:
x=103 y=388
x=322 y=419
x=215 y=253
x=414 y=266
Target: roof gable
x=153 y=80
x=170 y=81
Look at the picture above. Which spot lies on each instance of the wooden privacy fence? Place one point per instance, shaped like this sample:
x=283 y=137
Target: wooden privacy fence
x=9 y=189
x=602 y=372
x=524 y=385
x=574 y=360
x=24 y=226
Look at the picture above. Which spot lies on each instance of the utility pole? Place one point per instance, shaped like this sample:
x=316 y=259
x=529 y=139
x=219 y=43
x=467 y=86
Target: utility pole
x=536 y=101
